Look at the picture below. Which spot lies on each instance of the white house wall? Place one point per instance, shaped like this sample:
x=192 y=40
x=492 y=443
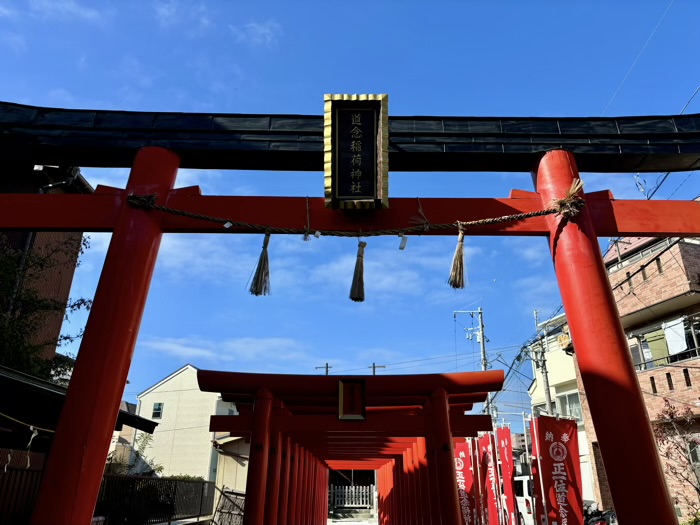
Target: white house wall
x=182 y=440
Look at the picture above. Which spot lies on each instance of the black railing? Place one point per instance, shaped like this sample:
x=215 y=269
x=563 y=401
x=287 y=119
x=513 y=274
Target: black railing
x=136 y=500
x=691 y=353
x=18 y=491
x=229 y=510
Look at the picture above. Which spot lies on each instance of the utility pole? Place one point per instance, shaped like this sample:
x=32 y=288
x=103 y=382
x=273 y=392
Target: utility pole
x=484 y=361
x=374 y=368
x=542 y=361
x=481 y=337
x=326 y=367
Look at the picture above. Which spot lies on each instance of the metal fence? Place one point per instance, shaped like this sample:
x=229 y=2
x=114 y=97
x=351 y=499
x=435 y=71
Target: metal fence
x=229 y=511
x=18 y=492
x=357 y=496
x=136 y=500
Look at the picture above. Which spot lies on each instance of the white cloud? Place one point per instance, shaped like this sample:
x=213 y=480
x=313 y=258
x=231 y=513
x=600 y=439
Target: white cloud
x=166 y=12
x=244 y=353
x=64 y=10
x=621 y=184
x=258 y=34
x=132 y=71
x=6 y=11
x=169 y=13
x=13 y=41
x=538 y=292
x=418 y=270
x=533 y=250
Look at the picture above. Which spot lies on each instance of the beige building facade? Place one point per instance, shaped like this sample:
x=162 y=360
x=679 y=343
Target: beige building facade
x=182 y=442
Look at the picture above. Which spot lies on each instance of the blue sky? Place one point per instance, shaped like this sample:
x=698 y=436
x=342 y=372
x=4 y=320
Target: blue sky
x=442 y=58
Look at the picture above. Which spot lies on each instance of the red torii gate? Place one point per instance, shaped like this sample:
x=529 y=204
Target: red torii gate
x=73 y=472
x=414 y=433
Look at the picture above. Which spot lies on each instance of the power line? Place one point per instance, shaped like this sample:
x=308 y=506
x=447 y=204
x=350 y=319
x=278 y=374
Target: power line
x=637 y=59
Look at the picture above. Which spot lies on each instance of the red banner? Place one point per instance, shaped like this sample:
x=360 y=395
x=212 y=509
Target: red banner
x=505 y=454
x=490 y=480
x=536 y=482
x=478 y=487
x=465 y=483
x=560 y=470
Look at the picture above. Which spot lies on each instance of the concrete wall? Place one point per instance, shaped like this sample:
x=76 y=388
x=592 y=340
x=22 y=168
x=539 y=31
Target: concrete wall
x=182 y=440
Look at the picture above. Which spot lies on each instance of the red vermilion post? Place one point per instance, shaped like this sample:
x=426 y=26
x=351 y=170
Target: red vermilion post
x=434 y=486
x=291 y=517
x=449 y=499
x=617 y=408
x=417 y=484
x=257 y=464
x=72 y=476
x=299 y=511
x=284 y=481
x=421 y=453
x=274 y=470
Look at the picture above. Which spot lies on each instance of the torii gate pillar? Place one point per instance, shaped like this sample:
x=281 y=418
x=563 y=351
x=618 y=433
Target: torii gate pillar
x=615 y=400
x=73 y=473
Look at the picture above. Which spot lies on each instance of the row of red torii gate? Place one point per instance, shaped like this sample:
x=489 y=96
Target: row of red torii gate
x=155 y=145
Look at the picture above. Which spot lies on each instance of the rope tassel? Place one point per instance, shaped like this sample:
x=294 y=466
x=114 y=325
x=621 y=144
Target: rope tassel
x=357 y=290
x=261 y=279
x=456 y=279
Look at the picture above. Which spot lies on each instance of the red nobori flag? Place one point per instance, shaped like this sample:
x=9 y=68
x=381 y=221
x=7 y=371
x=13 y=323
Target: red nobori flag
x=490 y=480
x=535 y=469
x=560 y=470
x=465 y=483
x=479 y=495
x=505 y=453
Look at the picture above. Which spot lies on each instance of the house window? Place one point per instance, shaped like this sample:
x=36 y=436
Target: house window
x=157 y=411
x=694 y=453
x=570 y=405
x=686 y=376
x=653 y=385
x=669 y=380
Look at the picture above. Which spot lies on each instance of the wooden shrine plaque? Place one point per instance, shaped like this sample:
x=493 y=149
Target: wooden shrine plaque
x=356 y=151
x=351 y=399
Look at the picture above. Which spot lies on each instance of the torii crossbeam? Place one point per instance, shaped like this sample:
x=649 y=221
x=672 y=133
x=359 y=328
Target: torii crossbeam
x=92 y=138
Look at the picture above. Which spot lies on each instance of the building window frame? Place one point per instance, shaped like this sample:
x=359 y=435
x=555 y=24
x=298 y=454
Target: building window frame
x=567 y=411
x=157 y=411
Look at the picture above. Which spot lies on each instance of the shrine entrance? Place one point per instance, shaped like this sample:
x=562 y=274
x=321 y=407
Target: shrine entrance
x=300 y=427
x=396 y=443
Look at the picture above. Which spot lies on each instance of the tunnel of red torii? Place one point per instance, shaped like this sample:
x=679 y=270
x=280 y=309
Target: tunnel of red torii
x=155 y=145
x=401 y=426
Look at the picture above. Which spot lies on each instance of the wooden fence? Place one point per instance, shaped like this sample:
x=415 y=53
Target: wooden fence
x=356 y=496
x=18 y=491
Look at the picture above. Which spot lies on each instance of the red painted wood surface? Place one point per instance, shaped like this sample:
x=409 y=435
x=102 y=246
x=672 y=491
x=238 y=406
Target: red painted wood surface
x=100 y=212
x=616 y=403
x=74 y=469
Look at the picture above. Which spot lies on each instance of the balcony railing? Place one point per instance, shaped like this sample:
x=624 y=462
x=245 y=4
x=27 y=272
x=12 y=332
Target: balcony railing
x=691 y=353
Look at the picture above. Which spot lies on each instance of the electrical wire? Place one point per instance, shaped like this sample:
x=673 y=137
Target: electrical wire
x=637 y=59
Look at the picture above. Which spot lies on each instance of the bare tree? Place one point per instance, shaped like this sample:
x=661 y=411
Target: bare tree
x=677 y=442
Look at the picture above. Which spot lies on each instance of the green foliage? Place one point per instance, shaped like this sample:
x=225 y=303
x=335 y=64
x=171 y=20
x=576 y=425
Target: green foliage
x=139 y=464
x=693 y=521
x=184 y=477
x=24 y=310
